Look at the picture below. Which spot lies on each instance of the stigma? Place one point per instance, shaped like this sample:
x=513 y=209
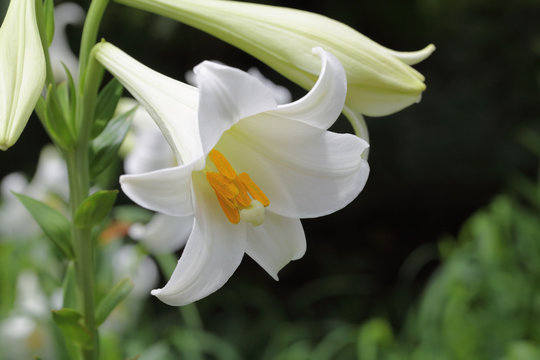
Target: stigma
x=238 y=195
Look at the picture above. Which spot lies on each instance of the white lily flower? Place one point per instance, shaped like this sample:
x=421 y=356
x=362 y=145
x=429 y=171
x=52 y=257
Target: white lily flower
x=380 y=80
x=165 y=233
x=23 y=69
x=250 y=169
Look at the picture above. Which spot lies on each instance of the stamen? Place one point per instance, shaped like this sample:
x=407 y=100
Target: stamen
x=253 y=189
x=221 y=185
x=222 y=165
x=233 y=192
x=230 y=210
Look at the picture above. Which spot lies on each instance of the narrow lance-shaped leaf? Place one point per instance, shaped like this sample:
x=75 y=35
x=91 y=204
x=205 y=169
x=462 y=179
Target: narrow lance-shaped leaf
x=104 y=148
x=114 y=297
x=69 y=287
x=95 y=208
x=67 y=98
x=71 y=324
x=55 y=121
x=55 y=226
x=106 y=105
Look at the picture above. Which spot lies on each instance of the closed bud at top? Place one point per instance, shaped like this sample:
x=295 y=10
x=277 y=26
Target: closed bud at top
x=380 y=80
x=22 y=63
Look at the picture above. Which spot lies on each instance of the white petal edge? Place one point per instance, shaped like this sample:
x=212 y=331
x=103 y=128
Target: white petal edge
x=172 y=104
x=164 y=233
x=276 y=242
x=213 y=252
x=227 y=95
x=166 y=190
x=321 y=106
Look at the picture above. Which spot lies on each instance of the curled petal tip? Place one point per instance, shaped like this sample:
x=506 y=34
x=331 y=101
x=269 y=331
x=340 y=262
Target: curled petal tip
x=413 y=57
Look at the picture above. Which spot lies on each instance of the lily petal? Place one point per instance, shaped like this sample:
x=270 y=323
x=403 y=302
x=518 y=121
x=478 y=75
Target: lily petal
x=276 y=242
x=163 y=233
x=413 y=57
x=226 y=96
x=172 y=104
x=358 y=123
x=23 y=69
x=322 y=105
x=305 y=171
x=212 y=253
x=165 y=190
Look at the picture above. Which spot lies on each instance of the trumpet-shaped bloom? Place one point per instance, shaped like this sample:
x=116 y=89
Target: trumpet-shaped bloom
x=165 y=233
x=23 y=69
x=249 y=168
x=380 y=81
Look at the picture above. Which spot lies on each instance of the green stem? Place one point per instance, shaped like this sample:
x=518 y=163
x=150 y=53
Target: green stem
x=84 y=252
x=89 y=36
x=79 y=181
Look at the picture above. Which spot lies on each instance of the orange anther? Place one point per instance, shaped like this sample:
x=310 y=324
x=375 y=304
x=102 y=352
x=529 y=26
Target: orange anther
x=221 y=185
x=233 y=191
x=253 y=189
x=230 y=210
x=222 y=165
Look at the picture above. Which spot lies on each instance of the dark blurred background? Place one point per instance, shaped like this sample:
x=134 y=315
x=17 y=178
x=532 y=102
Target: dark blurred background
x=432 y=164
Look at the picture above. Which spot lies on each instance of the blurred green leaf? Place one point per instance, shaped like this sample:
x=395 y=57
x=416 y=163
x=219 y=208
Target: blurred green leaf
x=55 y=226
x=114 y=297
x=69 y=287
x=55 y=122
x=95 y=208
x=104 y=148
x=67 y=97
x=71 y=324
x=373 y=337
x=106 y=105
x=194 y=344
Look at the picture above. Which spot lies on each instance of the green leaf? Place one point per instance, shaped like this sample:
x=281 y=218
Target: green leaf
x=104 y=148
x=55 y=122
x=71 y=324
x=55 y=226
x=114 y=297
x=95 y=208
x=106 y=105
x=48 y=9
x=69 y=287
x=67 y=98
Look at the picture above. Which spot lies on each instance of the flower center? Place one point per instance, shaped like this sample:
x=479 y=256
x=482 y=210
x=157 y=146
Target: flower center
x=238 y=195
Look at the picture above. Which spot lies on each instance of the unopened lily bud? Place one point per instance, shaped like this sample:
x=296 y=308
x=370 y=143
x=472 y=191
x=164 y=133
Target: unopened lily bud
x=22 y=63
x=380 y=80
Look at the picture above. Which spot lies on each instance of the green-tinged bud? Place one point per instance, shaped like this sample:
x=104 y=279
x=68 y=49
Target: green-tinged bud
x=22 y=63
x=380 y=81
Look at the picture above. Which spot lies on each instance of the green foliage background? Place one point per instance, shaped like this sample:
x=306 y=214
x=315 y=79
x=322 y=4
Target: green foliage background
x=430 y=262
